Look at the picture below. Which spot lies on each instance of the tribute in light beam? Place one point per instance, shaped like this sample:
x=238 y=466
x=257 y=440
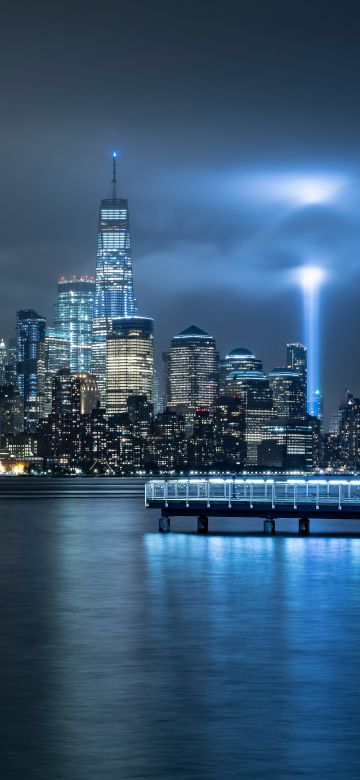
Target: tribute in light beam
x=311 y=278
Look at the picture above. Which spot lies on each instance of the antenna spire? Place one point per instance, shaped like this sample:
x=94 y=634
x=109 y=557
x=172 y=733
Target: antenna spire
x=114 y=178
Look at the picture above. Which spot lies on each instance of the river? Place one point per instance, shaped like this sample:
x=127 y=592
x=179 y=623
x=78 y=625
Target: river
x=128 y=654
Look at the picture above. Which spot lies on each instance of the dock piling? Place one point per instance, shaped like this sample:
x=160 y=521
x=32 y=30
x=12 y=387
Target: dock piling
x=203 y=524
x=164 y=525
x=304 y=526
x=269 y=525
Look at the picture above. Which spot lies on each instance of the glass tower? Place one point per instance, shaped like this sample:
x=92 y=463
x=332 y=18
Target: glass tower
x=192 y=373
x=114 y=294
x=3 y=361
x=288 y=393
x=73 y=315
x=296 y=360
x=31 y=366
x=57 y=356
x=129 y=362
x=253 y=388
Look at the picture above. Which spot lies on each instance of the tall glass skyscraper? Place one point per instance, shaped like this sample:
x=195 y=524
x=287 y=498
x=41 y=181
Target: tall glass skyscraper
x=31 y=366
x=288 y=391
x=129 y=362
x=296 y=360
x=73 y=315
x=114 y=294
x=57 y=356
x=3 y=361
x=192 y=373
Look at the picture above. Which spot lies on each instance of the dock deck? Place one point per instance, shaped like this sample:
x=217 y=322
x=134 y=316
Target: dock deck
x=265 y=497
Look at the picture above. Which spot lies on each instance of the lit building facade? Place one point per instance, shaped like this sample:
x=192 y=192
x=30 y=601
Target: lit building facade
x=229 y=429
x=239 y=359
x=350 y=434
x=73 y=315
x=74 y=393
x=192 y=373
x=296 y=360
x=288 y=392
x=11 y=364
x=290 y=445
x=129 y=362
x=3 y=361
x=254 y=389
x=57 y=356
x=10 y=412
x=31 y=366
x=318 y=406
x=114 y=293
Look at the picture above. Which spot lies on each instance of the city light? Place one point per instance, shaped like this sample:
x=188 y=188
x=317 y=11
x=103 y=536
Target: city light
x=310 y=279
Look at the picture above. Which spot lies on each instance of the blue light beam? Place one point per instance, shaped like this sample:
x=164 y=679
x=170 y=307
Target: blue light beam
x=311 y=279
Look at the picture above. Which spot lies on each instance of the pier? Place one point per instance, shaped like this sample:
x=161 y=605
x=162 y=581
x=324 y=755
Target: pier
x=261 y=497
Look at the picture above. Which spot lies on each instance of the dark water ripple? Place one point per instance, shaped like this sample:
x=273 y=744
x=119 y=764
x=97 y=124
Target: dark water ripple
x=126 y=654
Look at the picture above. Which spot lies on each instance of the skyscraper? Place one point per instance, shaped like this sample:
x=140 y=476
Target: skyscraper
x=73 y=314
x=129 y=362
x=31 y=366
x=296 y=360
x=253 y=388
x=193 y=373
x=3 y=361
x=114 y=294
x=57 y=356
x=239 y=359
x=288 y=393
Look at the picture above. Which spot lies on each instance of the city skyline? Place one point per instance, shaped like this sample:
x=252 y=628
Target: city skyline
x=229 y=190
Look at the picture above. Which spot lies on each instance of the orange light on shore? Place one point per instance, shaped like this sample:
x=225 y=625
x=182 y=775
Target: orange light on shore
x=19 y=468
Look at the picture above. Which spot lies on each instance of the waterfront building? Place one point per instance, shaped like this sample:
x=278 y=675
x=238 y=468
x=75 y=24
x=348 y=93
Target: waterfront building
x=114 y=293
x=331 y=453
x=10 y=412
x=31 y=366
x=201 y=445
x=168 y=446
x=288 y=392
x=141 y=415
x=192 y=373
x=120 y=449
x=289 y=444
x=229 y=430
x=129 y=362
x=73 y=315
x=75 y=396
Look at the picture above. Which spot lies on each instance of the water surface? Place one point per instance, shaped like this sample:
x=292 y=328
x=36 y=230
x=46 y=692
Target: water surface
x=128 y=654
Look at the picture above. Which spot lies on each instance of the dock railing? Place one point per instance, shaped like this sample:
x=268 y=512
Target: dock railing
x=314 y=492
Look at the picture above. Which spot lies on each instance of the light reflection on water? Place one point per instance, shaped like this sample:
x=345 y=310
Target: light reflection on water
x=128 y=654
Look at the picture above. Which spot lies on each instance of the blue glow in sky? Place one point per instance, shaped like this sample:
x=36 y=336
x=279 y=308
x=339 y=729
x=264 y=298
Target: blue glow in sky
x=311 y=278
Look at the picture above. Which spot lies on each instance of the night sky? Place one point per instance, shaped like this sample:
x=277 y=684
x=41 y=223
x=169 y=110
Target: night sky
x=238 y=128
